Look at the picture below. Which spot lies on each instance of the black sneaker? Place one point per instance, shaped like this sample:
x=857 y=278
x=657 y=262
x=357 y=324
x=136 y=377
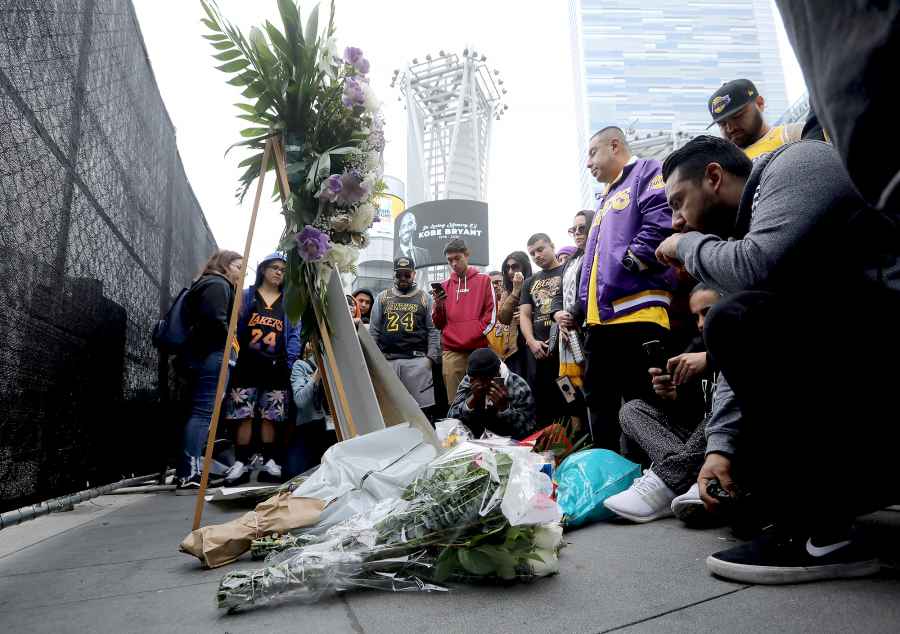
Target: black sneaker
x=775 y=558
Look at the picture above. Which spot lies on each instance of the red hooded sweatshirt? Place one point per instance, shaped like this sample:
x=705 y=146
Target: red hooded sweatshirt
x=468 y=313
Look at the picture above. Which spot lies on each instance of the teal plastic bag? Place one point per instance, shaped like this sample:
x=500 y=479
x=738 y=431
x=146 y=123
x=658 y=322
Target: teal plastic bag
x=586 y=478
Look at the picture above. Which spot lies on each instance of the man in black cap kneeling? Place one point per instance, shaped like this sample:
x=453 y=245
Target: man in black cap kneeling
x=491 y=398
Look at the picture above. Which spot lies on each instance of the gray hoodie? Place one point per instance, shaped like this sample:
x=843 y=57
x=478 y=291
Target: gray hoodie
x=795 y=205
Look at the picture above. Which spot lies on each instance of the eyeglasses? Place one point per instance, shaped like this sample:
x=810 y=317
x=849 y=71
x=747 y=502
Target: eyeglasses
x=403 y=275
x=578 y=230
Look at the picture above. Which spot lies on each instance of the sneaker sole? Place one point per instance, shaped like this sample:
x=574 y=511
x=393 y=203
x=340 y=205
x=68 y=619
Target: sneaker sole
x=693 y=514
x=638 y=519
x=777 y=575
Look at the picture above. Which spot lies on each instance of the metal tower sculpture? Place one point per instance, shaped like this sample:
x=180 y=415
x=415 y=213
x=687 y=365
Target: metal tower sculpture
x=451 y=101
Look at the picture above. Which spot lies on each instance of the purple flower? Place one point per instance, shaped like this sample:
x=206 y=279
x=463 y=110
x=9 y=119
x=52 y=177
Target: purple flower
x=331 y=188
x=354 y=95
x=354 y=56
x=312 y=244
x=353 y=188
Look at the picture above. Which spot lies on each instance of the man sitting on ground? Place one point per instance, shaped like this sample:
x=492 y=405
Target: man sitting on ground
x=491 y=398
x=670 y=432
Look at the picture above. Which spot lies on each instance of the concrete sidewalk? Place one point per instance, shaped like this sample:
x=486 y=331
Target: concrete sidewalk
x=112 y=565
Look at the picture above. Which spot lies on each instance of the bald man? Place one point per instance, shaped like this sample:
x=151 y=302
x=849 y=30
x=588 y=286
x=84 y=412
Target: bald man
x=624 y=290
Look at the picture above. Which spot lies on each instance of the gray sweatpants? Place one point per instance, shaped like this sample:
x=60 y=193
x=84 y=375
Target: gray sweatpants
x=415 y=373
x=675 y=450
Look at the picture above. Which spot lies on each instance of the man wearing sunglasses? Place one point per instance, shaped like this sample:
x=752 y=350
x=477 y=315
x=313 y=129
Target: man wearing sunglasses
x=402 y=328
x=737 y=108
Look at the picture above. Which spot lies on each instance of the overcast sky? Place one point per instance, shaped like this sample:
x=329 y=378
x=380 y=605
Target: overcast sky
x=532 y=186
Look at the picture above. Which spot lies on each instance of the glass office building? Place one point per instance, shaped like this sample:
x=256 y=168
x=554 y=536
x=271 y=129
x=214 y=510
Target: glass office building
x=649 y=67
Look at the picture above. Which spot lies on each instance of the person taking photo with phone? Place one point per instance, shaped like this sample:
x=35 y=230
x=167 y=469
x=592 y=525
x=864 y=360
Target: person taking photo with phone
x=464 y=311
x=491 y=398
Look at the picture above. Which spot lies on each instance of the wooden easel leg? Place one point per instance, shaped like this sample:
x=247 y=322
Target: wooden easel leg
x=284 y=188
x=324 y=375
x=232 y=328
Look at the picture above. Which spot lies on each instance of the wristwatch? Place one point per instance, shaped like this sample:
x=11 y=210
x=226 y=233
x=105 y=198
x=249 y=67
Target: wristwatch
x=631 y=264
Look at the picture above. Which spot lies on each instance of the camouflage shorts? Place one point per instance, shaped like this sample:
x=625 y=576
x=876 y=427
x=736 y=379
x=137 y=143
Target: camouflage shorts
x=244 y=402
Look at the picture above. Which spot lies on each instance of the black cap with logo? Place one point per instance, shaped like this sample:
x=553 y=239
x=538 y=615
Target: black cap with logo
x=730 y=98
x=404 y=264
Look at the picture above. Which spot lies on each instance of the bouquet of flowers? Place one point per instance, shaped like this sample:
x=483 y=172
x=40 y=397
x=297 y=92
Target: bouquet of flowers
x=321 y=108
x=459 y=521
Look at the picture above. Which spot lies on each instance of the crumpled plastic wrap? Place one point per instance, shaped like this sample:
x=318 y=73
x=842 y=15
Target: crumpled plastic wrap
x=455 y=521
x=354 y=476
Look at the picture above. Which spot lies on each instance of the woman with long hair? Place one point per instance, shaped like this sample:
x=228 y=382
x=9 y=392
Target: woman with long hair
x=208 y=306
x=570 y=335
x=516 y=268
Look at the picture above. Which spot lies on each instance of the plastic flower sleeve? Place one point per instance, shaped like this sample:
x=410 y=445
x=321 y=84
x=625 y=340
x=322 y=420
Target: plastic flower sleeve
x=447 y=525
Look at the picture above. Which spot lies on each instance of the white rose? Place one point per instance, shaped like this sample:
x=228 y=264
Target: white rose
x=343 y=256
x=549 y=564
x=548 y=536
x=362 y=218
x=371 y=103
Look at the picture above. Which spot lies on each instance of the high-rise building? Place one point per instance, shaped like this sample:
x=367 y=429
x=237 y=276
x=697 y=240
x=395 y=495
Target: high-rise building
x=649 y=67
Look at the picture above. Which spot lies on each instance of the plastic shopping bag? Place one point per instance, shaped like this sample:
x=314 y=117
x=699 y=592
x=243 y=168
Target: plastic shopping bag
x=586 y=478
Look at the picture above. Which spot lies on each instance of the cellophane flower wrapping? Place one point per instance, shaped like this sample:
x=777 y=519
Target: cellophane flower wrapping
x=461 y=520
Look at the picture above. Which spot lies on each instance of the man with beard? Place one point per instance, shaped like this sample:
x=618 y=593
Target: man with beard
x=737 y=108
x=777 y=237
x=402 y=328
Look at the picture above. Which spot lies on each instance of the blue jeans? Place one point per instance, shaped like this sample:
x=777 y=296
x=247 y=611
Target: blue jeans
x=204 y=379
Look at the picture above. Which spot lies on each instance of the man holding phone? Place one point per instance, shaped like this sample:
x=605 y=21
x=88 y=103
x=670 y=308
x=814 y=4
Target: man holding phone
x=464 y=311
x=668 y=432
x=492 y=398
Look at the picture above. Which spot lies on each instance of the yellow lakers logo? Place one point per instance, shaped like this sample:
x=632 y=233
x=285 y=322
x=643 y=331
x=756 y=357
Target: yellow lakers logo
x=657 y=182
x=720 y=103
x=621 y=200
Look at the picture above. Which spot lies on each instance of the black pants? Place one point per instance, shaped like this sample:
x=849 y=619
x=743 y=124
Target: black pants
x=818 y=393
x=616 y=369
x=548 y=400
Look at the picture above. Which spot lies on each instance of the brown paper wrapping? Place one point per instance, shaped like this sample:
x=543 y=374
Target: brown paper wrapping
x=222 y=544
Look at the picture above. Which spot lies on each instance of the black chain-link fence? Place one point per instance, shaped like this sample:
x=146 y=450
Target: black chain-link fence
x=99 y=228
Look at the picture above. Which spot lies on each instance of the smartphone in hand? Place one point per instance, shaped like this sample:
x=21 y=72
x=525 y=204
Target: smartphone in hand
x=438 y=289
x=656 y=355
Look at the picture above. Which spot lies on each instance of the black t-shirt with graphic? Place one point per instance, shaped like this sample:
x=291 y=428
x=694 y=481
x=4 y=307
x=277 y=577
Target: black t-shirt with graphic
x=262 y=361
x=543 y=291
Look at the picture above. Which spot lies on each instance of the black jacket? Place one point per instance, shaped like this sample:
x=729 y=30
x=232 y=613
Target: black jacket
x=209 y=306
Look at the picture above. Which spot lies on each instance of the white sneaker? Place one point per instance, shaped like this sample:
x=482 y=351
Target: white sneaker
x=272 y=468
x=269 y=472
x=647 y=499
x=689 y=508
x=235 y=471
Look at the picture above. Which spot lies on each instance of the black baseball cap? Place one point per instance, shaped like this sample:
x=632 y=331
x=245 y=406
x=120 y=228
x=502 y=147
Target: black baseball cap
x=730 y=98
x=403 y=263
x=483 y=362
